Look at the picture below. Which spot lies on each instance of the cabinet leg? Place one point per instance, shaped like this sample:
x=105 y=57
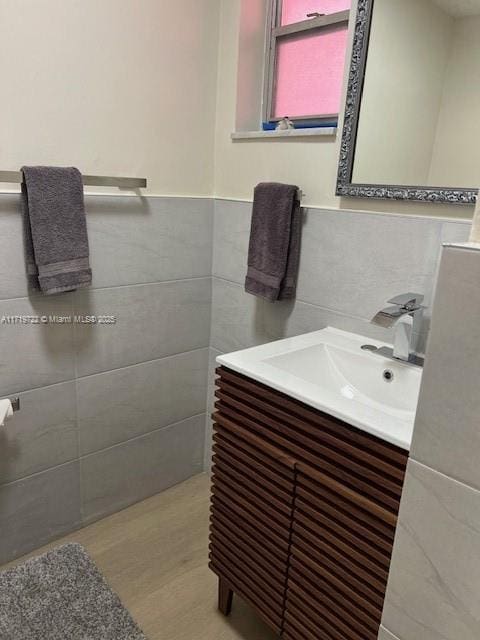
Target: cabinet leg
x=225 y=597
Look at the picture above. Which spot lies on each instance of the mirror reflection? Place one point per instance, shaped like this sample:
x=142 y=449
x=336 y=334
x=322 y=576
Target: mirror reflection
x=419 y=117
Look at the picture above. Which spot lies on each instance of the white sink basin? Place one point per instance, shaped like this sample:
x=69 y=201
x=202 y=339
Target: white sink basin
x=328 y=370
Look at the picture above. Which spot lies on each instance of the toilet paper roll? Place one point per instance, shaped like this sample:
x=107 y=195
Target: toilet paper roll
x=6 y=411
x=475 y=231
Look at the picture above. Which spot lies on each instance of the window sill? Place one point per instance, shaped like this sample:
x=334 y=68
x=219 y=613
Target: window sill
x=285 y=133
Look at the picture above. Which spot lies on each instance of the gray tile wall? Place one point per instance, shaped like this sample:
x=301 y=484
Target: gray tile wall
x=386 y=635
x=110 y=414
x=434 y=586
x=351 y=263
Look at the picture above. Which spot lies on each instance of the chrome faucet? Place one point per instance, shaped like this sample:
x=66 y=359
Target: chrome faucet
x=405 y=316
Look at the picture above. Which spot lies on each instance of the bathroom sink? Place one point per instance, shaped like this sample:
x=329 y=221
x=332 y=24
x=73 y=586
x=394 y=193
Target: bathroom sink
x=330 y=371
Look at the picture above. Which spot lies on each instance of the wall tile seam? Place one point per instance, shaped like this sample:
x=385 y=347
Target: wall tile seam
x=45 y=386
x=77 y=429
x=210 y=310
x=142 y=436
x=105 y=372
x=141 y=362
x=215 y=365
x=447 y=477
x=462 y=246
x=39 y=297
x=222 y=352
x=28 y=476
x=130 y=196
x=78 y=459
x=394 y=637
x=321 y=208
x=467 y=220
x=75 y=390
x=310 y=304
x=151 y=283
x=72 y=462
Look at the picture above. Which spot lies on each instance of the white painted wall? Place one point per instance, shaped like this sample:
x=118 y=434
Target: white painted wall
x=116 y=87
x=310 y=163
x=241 y=165
x=408 y=55
x=129 y=87
x=251 y=46
x=458 y=131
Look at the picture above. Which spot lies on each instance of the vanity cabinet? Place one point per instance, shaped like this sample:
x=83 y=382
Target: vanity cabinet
x=303 y=515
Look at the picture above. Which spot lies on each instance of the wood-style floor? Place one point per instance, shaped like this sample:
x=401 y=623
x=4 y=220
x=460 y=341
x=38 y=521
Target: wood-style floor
x=154 y=555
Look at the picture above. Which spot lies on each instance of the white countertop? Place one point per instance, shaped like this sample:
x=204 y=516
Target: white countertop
x=329 y=371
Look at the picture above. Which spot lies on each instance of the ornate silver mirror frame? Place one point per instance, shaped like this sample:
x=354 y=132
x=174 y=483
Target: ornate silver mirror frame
x=345 y=187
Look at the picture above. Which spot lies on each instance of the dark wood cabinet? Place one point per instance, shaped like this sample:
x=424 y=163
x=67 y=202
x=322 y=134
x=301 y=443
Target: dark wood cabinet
x=304 y=510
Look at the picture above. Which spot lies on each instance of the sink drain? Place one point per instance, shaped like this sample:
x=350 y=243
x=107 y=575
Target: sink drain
x=388 y=375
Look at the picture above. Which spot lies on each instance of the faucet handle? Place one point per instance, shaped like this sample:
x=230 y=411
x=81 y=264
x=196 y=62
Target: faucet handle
x=410 y=301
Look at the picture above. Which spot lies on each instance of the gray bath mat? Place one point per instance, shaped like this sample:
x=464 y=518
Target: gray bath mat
x=62 y=596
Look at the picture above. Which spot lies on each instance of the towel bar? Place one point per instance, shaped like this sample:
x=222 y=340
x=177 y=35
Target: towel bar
x=91 y=181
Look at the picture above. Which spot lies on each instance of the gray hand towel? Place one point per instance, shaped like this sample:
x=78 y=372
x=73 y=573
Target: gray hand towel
x=55 y=229
x=274 y=250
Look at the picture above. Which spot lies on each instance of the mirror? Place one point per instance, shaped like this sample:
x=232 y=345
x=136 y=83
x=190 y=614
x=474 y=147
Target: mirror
x=412 y=119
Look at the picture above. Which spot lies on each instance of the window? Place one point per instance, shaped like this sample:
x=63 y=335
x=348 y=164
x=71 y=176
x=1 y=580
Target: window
x=305 y=60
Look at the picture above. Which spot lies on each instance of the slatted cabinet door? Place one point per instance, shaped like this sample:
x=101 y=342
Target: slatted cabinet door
x=340 y=555
x=301 y=497
x=252 y=511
